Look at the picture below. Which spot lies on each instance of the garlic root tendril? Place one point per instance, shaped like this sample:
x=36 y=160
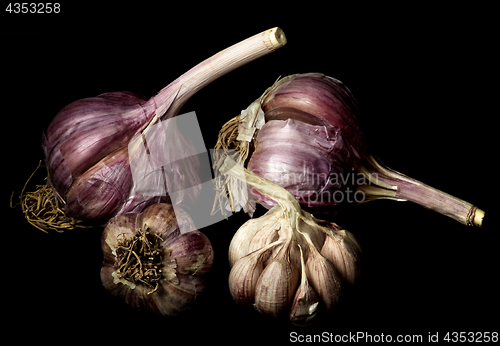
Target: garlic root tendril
x=140 y=258
x=42 y=209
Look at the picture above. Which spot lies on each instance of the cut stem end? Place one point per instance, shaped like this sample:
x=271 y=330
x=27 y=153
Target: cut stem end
x=478 y=218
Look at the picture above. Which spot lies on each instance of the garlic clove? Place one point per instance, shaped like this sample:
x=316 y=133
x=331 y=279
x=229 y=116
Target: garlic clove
x=269 y=233
x=169 y=299
x=160 y=217
x=304 y=306
x=305 y=303
x=100 y=191
x=324 y=278
x=246 y=272
x=238 y=248
x=87 y=130
x=193 y=253
x=276 y=286
x=243 y=277
x=108 y=279
x=277 y=289
x=249 y=236
x=173 y=297
x=344 y=252
x=308 y=225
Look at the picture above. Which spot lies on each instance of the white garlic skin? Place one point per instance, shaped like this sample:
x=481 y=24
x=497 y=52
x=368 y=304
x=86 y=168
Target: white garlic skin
x=277 y=284
x=306 y=302
x=344 y=252
x=254 y=235
x=324 y=278
x=244 y=276
x=290 y=272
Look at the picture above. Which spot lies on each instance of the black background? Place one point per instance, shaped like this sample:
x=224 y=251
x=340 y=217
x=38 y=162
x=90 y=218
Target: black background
x=426 y=80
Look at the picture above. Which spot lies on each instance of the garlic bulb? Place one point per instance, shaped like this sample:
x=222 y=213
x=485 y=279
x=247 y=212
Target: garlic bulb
x=312 y=119
x=308 y=159
x=287 y=261
x=302 y=133
x=151 y=264
x=87 y=143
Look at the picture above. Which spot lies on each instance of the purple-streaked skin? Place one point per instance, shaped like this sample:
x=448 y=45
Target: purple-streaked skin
x=87 y=130
x=187 y=259
x=102 y=189
x=307 y=160
x=315 y=99
x=271 y=247
x=319 y=100
x=88 y=158
x=86 y=136
x=390 y=184
x=311 y=141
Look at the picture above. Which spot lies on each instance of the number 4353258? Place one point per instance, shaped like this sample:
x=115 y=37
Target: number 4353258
x=33 y=7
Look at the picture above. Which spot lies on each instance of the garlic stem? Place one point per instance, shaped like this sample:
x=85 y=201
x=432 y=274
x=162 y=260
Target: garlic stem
x=214 y=67
x=284 y=198
x=404 y=188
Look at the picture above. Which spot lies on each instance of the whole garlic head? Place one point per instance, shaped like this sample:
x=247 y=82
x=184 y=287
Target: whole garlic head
x=151 y=264
x=291 y=271
x=287 y=262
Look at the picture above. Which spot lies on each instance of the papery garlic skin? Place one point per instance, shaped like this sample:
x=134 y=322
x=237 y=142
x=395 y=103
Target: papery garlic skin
x=254 y=235
x=88 y=155
x=296 y=278
x=277 y=283
x=344 y=252
x=244 y=276
x=316 y=99
x=187 y=259
x=279 y=278
x=305 y=137
x=312 y=162
x=87 y=130
x=324 y=278
x=84 y=136
x=93 y=197
x=305 y=303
